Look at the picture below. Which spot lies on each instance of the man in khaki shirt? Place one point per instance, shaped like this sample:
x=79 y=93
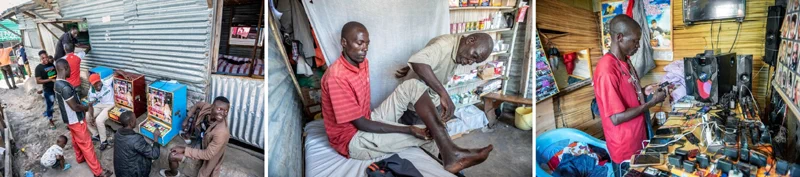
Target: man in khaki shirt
x=215 y=141
x=437 y=62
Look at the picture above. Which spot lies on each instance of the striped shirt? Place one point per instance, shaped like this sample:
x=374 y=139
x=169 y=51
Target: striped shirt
x=64 y=93
x=345 y=97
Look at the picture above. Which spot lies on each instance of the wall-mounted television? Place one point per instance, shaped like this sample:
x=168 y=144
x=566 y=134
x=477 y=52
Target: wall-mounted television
x=709 y=10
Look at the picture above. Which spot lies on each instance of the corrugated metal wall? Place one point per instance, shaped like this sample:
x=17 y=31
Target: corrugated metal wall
x=31 y=32
x=246 y=117
x=160 y=39
x=285 y=115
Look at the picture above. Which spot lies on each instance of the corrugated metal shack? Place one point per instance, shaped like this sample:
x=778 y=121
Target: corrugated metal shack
x=164 y=40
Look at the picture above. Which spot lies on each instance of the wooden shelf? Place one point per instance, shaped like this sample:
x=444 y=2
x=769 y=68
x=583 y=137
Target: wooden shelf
x=247 y=46
x=478 y=80
x=487 y=31
x=481 y=8
x=786 y=99
x=499 y=53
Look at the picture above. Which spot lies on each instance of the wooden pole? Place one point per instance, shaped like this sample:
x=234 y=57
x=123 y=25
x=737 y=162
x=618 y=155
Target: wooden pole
x=41 y=41
x=230 y=22
x=255 y=46
x=48 y=30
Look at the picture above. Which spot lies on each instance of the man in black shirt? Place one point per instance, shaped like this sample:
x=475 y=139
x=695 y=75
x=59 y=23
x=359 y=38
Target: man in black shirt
x=133 y=156
x=46 y=75
x=70 y=38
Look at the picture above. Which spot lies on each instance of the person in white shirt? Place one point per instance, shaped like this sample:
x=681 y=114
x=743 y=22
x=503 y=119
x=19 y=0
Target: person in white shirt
x=100 y=101
x=54 y=156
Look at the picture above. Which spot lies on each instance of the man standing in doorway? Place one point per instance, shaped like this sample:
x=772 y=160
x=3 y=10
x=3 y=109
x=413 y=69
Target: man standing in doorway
x=215 y=141
x=5 y=66
x=68 y=38
x=72 y=113
x=619 y=95
x=437 y=62
x=357 y=132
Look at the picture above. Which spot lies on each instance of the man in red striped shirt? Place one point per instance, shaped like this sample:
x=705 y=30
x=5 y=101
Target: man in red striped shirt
x=357 y=132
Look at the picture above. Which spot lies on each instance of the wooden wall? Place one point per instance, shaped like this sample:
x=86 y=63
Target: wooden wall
x=691 y=40
x=583 y=32
x=583 y=29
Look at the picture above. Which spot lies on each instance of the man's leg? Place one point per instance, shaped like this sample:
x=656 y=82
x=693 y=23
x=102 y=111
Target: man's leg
x=7 y=75
x=101 y=121
x=11 y=76
x=49 y=99
x=84 y=144
x=90 y=115
x=72 y=131
x=413 y=92
x=174 y=163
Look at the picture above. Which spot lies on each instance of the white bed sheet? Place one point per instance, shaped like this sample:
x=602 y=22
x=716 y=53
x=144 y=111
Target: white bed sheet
x=322 y=160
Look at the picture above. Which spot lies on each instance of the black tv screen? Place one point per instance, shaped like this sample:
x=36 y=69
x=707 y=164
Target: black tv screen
x=708 y=10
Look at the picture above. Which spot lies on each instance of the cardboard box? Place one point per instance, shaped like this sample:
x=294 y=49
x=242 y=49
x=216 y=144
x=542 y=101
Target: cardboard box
x=487 y=73
x=311 y=96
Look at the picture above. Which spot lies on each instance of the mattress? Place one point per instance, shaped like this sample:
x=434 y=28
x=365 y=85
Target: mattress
x=322 y=160
x=238 y=66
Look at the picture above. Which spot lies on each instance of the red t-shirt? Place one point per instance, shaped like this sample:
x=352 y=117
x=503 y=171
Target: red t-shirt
x=345 y=97
x=615 y=93
x=75 y=69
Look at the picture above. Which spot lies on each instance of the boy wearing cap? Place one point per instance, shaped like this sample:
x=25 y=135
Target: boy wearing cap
x=100 y=101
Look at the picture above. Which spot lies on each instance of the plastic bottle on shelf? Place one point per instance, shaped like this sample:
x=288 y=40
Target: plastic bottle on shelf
x=488 y=23
x=480 y=25
x=463 y=3
x=484 y=2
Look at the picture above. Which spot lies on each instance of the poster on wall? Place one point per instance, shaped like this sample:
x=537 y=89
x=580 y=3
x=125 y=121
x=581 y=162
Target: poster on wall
x=245 y=36
x=608 y=10
x=545 y=82
x=659 y=20
x=122 y=93
x=159 y=105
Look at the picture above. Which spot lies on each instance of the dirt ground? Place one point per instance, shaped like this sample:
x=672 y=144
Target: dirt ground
x=24 y=110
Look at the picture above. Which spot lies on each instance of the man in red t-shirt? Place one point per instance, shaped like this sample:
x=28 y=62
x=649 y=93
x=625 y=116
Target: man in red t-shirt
x=75 y=68
x=619 y=95
x=357 y=132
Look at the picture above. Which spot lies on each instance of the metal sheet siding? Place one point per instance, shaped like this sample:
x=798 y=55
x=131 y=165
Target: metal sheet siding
x=285 y=115
x=246 y=116
x=161 y=39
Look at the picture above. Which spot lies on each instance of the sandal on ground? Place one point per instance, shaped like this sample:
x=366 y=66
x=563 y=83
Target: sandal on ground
x=163 y=173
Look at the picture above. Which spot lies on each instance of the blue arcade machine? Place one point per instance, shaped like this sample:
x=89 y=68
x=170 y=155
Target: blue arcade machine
x=166 y=110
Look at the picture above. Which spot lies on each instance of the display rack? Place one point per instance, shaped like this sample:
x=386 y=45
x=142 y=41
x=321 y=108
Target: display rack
x=786 y=99
x=505 y=55
x=481 y=8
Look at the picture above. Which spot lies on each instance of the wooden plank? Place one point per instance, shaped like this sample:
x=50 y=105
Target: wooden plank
x=255 y=45
x=507 y=98
x=545 y=117
x=47 y=5
x=48 y=30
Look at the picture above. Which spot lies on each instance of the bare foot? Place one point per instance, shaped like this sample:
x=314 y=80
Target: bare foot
x=468 y=158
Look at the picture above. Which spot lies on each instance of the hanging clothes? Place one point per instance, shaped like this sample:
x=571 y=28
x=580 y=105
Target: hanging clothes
x=643 y=60
x=319 y=58
x=295 y=21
